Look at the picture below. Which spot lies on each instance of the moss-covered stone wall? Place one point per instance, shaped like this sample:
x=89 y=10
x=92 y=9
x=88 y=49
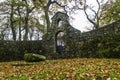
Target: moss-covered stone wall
x=103 y=42
x=111 y=29
x=14 y=50
x=60 y=23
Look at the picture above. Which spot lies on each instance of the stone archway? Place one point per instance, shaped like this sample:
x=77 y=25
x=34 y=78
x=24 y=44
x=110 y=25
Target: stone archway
x=60 y=42
x=52 y=42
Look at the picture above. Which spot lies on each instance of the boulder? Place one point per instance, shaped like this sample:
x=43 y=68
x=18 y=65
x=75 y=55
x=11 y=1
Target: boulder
x=31 y=57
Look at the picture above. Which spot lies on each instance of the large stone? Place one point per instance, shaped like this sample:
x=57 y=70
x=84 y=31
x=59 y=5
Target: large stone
x=31 y=57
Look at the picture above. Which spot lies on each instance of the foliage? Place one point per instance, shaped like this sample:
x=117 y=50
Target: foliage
x=111 y=11
x=102 y=46
x=27 y=19
x=31 y=57
x=73 y=48
x=64 y=69
x=20 y=20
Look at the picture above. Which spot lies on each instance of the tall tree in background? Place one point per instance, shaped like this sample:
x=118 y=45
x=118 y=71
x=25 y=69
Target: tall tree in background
x=7 y=12
x=19 y=22
x=4 y=11
x=94 y=14
x=18 y=15
x=24 y=16
x=108 y=11
x=27 y=12
x=26 y=19
x=111 y=11
x=12 y=3
x=95 y=20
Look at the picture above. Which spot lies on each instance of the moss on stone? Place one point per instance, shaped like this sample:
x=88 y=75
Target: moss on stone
x=31 y=57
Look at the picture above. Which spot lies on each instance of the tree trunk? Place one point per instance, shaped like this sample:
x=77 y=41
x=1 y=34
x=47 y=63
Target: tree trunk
x=26 y=24
x=47 y=18
x=12 y=23
x=19 y=23
x=26 y=28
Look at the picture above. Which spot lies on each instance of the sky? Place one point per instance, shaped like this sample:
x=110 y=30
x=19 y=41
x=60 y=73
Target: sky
x=80 y=21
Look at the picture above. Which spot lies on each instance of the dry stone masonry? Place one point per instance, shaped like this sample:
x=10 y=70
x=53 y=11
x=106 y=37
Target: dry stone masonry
x=73 y=37
x=60 y=23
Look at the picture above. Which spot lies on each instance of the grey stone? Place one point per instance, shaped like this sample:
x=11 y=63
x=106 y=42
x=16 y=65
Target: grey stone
x=60 y=23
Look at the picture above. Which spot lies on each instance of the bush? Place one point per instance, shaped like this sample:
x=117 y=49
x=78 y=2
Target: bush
x=31 y=57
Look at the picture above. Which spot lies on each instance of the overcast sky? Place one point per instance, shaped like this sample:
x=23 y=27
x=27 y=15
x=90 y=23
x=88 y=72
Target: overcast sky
x=80 y=22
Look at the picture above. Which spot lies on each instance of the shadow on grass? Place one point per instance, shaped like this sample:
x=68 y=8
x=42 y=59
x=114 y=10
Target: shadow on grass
x=22 y=64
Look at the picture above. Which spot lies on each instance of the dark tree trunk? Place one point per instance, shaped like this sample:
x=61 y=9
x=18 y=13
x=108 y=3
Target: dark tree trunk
x=26 y=23
x=19 y=23
x=12 y=23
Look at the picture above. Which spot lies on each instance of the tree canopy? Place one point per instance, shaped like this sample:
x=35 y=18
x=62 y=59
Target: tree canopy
x=111 y=11
x=29 y=19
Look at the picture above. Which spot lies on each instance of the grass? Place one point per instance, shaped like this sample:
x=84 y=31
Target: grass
x=63 y=69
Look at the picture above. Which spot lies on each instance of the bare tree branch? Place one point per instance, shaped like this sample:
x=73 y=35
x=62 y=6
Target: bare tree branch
x=87 y=16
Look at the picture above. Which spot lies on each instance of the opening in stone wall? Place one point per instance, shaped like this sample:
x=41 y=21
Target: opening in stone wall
x=59 y=22
x=60 y=42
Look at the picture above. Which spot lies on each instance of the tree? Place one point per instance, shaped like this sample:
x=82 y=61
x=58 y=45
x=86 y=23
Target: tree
x=25 y=17
x=111 y=11
x=30 y=19
x=97 y=14
x=46 y=5
x=93 y=13
x=17 y=16
x=12 y=19
x=19 y=22
x=6 y=10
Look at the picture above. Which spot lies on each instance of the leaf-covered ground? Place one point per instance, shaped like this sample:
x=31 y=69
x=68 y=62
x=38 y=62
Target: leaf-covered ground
x=64 y=69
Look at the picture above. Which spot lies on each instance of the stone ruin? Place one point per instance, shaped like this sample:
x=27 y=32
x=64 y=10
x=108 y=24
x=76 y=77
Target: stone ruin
x=58 y=39
x=58 y=34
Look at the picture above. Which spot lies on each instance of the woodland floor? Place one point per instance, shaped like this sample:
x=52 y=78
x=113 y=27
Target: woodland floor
x=62 y=69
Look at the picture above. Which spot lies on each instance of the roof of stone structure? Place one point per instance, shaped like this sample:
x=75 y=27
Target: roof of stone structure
x=59 y=15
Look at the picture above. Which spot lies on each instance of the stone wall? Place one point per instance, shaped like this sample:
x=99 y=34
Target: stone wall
x=111 y=29
x=74 y=38
x=14 y=50
x=103 y=42
x=74 y=41
x=60 y=23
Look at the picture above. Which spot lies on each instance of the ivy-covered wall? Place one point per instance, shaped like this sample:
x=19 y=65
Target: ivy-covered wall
x=104 y=42
x=60 y=23
x=14 y=50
